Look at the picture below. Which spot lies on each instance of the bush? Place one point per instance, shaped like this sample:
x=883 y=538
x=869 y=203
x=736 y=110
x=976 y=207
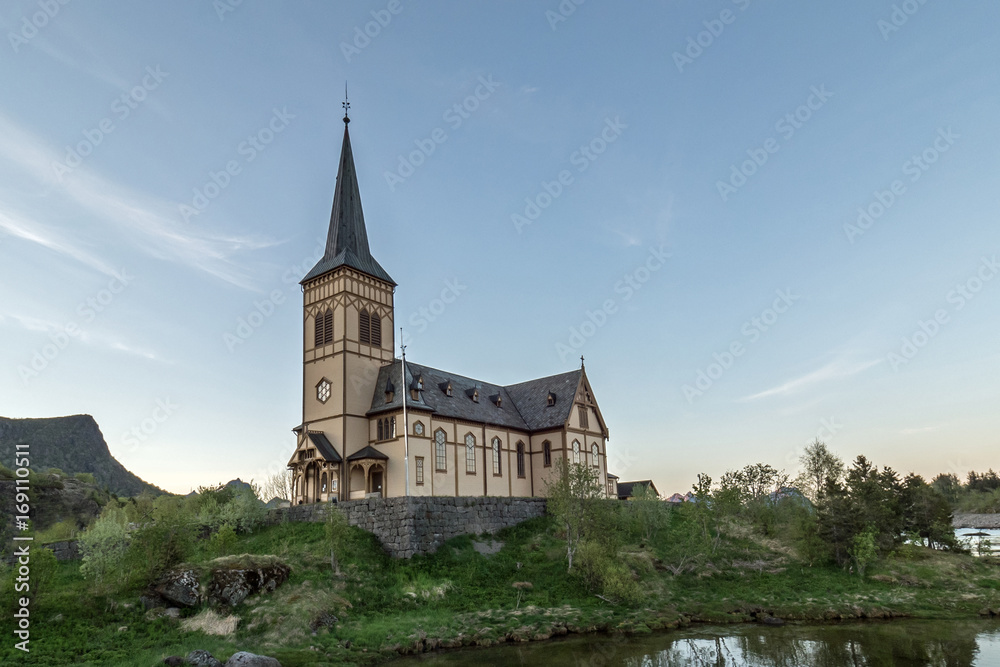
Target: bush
x=223 y=541
x=86 y=478
x=57 y=532
x=104 y=546
x=606 y=574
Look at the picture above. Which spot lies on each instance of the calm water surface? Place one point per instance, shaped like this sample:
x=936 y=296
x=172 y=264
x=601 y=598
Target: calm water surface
x=870 y=644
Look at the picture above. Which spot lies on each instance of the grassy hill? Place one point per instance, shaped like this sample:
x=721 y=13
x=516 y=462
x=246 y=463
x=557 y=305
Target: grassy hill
x=72 y=444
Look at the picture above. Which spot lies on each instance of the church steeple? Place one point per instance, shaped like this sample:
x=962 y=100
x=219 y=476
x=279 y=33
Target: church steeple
x=347 y=240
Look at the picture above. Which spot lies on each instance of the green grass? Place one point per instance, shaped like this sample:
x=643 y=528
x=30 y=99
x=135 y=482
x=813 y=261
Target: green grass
x=460 y=597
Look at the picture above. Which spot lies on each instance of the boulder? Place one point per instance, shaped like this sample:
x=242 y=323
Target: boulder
x=247 y=659
x=174 y=661
x=233 y=579
x=179 y=586
x=201 y=658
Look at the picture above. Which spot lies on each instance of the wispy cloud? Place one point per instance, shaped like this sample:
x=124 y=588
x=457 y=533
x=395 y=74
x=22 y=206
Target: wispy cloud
x=29 y=230
x=835 y=370
x=150 y=224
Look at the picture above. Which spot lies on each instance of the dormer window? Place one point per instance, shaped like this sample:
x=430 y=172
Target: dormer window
x=390 y=391
x=497 y=400
x=473 y=394
x=445 y=387
x=551 y=400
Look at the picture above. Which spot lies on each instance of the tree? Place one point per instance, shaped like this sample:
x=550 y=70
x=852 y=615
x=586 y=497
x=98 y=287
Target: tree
x=927 y=513
x=650 y=513
x=278 y=485
x=863 y=551
x=104 y=546
x=948 y=485
x=574 y=497
x=819 y=464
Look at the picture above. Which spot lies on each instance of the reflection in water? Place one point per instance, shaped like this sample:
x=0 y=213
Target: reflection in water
x=873 y=644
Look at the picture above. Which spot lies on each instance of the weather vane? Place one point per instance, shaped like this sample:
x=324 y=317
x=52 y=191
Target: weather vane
x=346 y=104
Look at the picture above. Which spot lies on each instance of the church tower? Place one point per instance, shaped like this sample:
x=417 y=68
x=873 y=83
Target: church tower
x=348 y=335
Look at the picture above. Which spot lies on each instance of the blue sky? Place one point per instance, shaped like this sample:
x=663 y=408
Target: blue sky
x=761 y=223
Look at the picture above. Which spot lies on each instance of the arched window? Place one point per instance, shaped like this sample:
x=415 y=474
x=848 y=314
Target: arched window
x=324 y=328
x=595 y=456
x=547 y=453
x=440 y=453
x=322 y=483
x=376 y=330
x=497 y=467
x=381 y=432
x=520 y=459
x=576 y=451
x=470 y=454
x=365 y=327
x=391 y=431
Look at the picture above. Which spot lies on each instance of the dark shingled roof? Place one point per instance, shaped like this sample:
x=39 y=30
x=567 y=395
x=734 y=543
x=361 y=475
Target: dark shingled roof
x=625 y=489
x=325 y=447
x=347 y=241
x=523 y=406
x=368 y=452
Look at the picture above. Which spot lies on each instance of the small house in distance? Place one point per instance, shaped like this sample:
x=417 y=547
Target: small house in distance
x=627 y=490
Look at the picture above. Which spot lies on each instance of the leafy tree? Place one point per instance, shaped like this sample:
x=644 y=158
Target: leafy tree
x=986 y=481
x=819 y=464
x=863 y=551
x=575 y=498
x=223 y=540
x=650 y=514
x=948 y=485
x=927 y=513
x=104 y=546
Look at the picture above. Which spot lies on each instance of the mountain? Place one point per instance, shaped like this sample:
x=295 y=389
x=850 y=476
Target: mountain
x=72 y=444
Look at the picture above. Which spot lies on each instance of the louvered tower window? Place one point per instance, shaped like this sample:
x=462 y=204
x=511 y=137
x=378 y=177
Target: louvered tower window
x=324 y=328
x=365 y=327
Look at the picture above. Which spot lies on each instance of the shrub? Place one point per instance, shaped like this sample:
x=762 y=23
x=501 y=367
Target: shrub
x=86 y=478
x=57 y=532
x=104 y=546
x=223 y=541
x=603 y=572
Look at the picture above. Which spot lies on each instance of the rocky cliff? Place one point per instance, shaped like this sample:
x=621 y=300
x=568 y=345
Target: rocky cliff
x=72 y=444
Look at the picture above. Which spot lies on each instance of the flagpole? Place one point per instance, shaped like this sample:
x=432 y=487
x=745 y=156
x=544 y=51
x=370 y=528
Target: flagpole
x=406 y=427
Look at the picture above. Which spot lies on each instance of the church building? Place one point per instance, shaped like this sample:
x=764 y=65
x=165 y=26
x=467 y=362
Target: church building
x=459 y=436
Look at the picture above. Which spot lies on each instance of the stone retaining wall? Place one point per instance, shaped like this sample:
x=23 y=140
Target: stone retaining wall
x=419 y=525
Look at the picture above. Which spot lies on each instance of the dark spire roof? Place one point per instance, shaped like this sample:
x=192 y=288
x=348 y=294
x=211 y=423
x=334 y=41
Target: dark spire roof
x=347 y=241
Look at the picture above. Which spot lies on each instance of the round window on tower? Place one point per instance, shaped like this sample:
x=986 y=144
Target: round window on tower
x=323 y=391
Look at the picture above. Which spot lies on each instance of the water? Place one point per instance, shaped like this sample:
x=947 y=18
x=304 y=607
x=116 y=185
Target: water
x=907 y=643
x=993 y=535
